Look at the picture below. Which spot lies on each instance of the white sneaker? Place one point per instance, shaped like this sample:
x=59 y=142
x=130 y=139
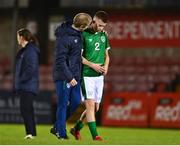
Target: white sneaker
x=29 y=136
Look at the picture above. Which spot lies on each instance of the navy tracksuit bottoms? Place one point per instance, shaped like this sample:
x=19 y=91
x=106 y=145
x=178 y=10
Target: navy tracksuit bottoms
x=69 y=99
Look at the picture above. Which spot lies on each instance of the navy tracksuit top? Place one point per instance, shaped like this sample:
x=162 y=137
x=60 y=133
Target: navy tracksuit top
x=27 y=69
x=68 y=62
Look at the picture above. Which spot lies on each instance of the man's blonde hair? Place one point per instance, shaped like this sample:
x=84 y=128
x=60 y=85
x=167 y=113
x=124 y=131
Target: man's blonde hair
x=82 y=20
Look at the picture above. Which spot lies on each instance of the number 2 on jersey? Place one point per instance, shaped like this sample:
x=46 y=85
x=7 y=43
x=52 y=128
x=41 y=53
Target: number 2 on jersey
x=97 y=47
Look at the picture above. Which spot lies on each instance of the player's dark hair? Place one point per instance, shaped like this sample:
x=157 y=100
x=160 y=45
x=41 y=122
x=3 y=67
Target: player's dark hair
x=102 y=15
x=28 y=36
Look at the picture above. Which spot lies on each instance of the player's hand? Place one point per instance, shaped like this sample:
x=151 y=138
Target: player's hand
x=105 y=70
x=73 y=82
x=98 y=68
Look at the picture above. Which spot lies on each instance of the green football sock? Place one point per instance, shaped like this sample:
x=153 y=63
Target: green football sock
x=92 y=128
x=79 y=125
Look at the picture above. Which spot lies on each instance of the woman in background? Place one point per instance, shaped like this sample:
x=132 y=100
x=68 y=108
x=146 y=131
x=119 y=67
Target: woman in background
x=27 y=78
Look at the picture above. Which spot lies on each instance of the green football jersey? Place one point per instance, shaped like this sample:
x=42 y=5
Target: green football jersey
x=94 y=50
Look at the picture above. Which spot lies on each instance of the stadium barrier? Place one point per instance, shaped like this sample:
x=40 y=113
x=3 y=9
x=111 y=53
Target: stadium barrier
x=9 y=107
x=165 y=110
x=124 y=109
x=141 y=110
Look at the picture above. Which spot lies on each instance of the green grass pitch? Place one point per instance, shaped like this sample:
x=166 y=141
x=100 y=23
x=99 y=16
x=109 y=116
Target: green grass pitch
x=14 y=134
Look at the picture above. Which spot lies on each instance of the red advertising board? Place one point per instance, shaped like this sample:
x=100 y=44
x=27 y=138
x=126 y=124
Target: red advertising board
x=139 y=30
x=124 y=109
x=165 y=110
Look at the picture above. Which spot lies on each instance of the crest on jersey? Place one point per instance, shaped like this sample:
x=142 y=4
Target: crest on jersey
x=90 y=40
x=103 y=39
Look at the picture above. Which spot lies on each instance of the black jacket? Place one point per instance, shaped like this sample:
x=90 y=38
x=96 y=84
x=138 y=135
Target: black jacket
x=27 y=69
x=68 y=62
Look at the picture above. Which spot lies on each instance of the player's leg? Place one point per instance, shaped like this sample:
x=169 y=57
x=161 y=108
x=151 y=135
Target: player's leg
x=90 y=117
x=83 y=116
x=75 y=131
x=97 y=107
x=99 y=91
x=74 y=102
x=92 y=106
x=88 y=90
x=80 y=123
x=99 y=84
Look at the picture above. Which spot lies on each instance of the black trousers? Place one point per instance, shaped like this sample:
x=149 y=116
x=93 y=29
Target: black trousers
x=27 y=112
